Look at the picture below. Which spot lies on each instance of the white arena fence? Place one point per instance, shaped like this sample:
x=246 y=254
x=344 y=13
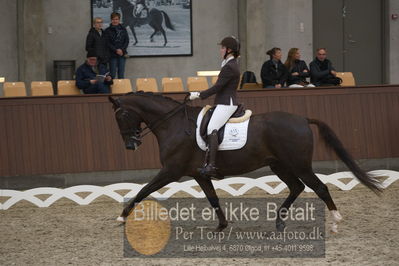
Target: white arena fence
x=15 y=196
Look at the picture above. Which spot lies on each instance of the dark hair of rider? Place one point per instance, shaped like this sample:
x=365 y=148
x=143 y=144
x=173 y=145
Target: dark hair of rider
x=236 y=54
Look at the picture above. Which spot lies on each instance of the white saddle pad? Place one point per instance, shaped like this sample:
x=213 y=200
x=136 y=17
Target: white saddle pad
x=235 y=135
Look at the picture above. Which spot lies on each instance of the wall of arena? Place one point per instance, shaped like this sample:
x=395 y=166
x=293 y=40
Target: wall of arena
x=39 y=32
x=43 y=136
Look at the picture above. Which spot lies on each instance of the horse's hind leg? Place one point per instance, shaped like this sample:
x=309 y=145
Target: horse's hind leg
x=312 y=181
x=164 y=36
x=162 y=179
x=209 y=190
x=294 y=185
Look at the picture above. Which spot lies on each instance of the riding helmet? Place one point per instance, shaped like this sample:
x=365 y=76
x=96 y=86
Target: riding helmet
x=231 y=42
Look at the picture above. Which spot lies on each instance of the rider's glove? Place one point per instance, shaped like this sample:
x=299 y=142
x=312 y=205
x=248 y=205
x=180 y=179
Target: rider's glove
x=194 y=95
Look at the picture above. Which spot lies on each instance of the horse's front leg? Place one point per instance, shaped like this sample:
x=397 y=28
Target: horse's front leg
x=163 y=178
x=131 y=26
x=207 y=186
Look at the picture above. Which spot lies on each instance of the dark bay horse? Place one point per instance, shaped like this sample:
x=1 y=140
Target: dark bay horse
x=154 y=19
x=281 y=140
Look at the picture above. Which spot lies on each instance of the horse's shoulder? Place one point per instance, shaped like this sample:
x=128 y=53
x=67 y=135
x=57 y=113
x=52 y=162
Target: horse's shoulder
x=195 y=109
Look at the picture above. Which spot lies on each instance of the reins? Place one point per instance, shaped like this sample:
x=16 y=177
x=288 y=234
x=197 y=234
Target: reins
x=152 y=126
x=170 y=114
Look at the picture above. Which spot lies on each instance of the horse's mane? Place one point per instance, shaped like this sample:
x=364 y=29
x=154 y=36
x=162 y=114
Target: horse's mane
x=153 y=95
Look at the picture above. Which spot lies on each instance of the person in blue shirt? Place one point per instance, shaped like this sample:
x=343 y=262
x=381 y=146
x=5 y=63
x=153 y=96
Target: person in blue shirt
x=92 y=77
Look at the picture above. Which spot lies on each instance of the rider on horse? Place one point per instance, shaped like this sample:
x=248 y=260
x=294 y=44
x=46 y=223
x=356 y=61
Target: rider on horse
x=226 y=99
x=140 y=6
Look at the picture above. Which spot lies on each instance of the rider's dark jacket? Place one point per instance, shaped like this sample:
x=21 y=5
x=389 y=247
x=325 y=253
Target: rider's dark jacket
x=226 y=85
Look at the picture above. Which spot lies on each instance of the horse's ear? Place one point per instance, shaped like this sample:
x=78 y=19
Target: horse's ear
x=116 y=103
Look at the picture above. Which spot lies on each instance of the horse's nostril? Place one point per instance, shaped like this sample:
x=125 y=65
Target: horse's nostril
x=130 y=146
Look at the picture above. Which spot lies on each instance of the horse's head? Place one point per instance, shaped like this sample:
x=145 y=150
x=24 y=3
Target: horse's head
x=129 y=123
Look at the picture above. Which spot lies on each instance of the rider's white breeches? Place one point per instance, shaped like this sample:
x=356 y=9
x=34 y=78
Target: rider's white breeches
x=220 y=116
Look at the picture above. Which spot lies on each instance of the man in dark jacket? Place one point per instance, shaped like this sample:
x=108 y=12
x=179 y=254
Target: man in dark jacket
x=118 y=41
x=96 y=42
x=92 y=77
x=322 y=73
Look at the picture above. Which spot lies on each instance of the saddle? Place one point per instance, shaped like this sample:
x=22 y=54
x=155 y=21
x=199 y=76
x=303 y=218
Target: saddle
x=239 y=113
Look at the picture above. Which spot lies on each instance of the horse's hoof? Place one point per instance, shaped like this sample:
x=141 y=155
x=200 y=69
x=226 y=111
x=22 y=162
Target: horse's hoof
x=280 y=225
x=334 y=228
x=121 y=219
x=221 y=227
x=336 y=216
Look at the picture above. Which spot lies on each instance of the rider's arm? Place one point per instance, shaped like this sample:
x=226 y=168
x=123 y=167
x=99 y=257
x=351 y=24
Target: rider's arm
x=226 y=74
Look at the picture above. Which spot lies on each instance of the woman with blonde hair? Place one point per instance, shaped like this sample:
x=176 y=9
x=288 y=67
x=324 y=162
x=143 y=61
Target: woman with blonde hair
x=297 y=69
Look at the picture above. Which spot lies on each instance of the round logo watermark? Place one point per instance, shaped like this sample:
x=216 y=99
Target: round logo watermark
x=148 y=228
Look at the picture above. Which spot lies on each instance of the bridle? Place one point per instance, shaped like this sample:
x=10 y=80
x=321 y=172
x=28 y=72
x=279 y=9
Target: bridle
x=137 y=134
x=134 y=134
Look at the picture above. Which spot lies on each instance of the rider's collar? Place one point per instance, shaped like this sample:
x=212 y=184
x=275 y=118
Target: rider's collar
x=224 y=62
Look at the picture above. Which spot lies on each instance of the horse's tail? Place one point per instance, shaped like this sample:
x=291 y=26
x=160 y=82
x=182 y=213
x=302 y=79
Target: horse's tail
x=168 y=23
x=335 y=144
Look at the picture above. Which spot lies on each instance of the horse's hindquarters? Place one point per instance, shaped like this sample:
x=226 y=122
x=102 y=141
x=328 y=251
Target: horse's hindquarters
x=275 y=136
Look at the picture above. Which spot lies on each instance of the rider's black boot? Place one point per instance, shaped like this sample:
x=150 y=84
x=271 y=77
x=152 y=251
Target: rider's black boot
x=210 y=169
